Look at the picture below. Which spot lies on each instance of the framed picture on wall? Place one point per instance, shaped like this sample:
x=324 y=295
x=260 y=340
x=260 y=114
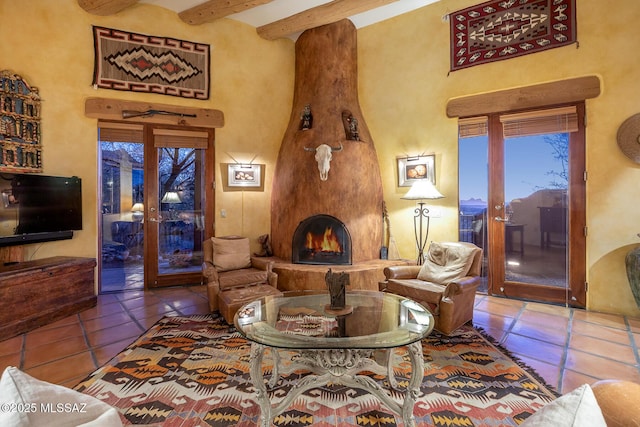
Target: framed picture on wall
x=411 y=169
x=243 y=177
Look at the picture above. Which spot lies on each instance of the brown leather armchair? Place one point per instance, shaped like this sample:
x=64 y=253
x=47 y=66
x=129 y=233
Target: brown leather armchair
x=253 y=279
x=450 y=301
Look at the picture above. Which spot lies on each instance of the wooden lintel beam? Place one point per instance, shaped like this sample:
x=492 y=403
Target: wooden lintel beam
x=111 y=109
x=105 y=7
x=539 y=95
x=216 y=9
x=321 y=15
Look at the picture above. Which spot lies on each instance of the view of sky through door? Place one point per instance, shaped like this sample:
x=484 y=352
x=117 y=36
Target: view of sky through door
x=535 y=195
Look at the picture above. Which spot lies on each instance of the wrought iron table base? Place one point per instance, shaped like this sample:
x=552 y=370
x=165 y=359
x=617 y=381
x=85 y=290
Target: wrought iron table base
x=338 y=366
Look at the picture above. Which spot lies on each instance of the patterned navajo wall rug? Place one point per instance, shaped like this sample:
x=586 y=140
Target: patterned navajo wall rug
x=142 y=63
x=503 y=29
x=188 y=371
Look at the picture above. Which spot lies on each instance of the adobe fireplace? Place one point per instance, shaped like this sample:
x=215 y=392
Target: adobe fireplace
x=327 y=83
x=321 y=239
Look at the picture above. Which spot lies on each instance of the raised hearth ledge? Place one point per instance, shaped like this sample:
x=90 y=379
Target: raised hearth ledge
x=363 y=275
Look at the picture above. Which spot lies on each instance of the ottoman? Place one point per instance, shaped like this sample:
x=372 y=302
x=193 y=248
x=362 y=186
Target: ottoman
x=230 y=300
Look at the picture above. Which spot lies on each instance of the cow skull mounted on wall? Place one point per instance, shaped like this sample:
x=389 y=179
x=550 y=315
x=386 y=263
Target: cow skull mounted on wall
x=323 y=157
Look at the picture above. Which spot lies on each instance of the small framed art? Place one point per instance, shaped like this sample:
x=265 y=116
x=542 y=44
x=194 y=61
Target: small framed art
x=245 y=177
x=411 y=169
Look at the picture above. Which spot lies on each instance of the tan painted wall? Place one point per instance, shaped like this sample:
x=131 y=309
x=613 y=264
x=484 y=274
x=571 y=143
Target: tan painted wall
x=50 y=44
x=405 y=86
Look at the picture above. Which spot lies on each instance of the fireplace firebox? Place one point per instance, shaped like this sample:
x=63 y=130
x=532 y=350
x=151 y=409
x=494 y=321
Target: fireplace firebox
x=321 y=239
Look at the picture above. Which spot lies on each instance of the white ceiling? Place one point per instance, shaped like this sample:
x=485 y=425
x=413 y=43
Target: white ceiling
x=279 y=9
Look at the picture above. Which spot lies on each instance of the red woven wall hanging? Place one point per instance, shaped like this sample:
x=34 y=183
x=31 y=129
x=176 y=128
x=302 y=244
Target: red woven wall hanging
x=504 y=29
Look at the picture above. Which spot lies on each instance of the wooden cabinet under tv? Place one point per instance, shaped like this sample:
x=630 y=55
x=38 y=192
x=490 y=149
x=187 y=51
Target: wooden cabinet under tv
x=35 y=293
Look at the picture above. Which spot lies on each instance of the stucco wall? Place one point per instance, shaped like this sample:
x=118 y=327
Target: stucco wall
x=50 y=44
x=404 y=88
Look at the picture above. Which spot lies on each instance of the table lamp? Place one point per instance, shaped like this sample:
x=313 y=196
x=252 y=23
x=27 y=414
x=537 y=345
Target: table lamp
x=137 y=211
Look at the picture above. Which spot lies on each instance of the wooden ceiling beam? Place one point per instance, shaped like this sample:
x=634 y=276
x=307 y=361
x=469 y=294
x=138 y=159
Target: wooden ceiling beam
x=216 y=9
x=327 y=13
x=105 y=7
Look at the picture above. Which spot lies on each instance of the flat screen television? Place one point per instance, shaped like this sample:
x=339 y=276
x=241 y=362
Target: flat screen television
x=39 y=208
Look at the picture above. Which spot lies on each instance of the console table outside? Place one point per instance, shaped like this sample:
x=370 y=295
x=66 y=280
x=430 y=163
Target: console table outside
x=378 y=322
x=509 y=231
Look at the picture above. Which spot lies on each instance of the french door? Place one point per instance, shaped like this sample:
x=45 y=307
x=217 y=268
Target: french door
x=157 y=204
x=532 y=227
x=179 y=203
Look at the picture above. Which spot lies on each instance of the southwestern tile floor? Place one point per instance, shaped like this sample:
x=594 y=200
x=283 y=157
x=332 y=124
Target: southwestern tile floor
x=567 y=347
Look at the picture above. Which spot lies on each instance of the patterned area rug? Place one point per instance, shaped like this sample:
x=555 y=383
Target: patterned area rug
x=194 y=371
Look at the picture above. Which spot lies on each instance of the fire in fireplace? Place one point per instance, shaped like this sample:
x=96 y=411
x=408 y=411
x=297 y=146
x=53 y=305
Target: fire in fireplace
x=321 y=239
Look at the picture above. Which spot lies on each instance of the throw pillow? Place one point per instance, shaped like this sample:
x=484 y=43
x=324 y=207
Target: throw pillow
x=576 y=409
x=445 y=264
x=29 y=402
x=231 y=254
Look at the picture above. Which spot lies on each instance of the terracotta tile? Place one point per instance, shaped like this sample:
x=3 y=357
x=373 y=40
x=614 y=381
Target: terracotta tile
x=199 y=289
x=43 y=336
x=573 y=380
x=11 y=345
x=105 y=353
x=546 y=320
x=185 y=301
x=499 y=308
x=123 y=296
x=148 y=322
x=141 y=301
x=497 y=334
x=13 y=359
x=107 y=298
x=201 y=308
x=59 y=371
x=549 y=372
x=604 y=319
x=101 y=310
x=554 y=335
x=154 y=309
x=549 y=309
x=492 y=321
x=634 y=324
x=54 y=350
x=69 y=320
x=534 y=349
x=609 y=350
x=171 y=292
x=600 y=367
x=103 y=337
x=602 y=332
x=105 y=322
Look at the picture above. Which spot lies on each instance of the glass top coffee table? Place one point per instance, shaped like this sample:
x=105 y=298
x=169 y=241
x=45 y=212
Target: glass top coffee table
x=335 y=345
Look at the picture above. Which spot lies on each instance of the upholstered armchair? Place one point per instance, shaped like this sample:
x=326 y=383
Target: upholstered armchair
x=446 y=283
x=234 y=277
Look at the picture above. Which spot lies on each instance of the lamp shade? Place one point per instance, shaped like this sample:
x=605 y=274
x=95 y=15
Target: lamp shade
x=422 y=189
x=171 y=197
x=137 y=207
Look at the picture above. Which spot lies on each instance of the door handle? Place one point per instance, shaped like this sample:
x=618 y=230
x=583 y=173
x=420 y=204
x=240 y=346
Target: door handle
x=500 y=219
x=152 y=219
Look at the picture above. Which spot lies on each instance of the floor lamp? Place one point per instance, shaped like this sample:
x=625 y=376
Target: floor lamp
x=421 y=190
